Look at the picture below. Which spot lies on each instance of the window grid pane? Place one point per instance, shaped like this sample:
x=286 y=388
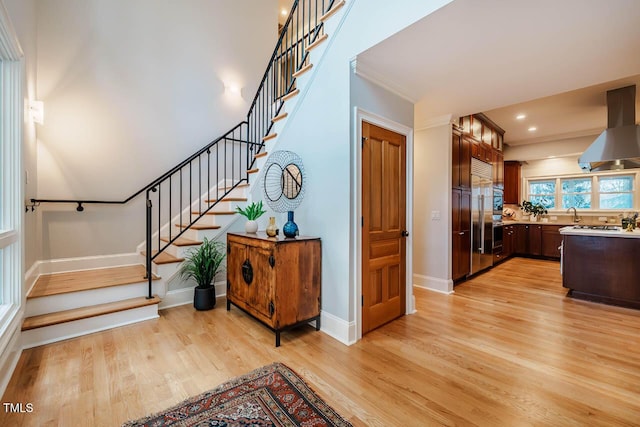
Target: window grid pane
x=543 y=192
x=616 y=192
x=576 y=193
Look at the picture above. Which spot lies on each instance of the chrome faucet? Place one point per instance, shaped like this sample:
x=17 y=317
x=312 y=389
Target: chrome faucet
x=575 y=214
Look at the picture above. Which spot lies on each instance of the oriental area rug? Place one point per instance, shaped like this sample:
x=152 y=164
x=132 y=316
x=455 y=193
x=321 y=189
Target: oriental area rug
x=273 y=395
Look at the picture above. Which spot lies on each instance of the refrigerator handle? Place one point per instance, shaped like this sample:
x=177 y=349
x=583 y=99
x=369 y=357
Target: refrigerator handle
x=481 y=222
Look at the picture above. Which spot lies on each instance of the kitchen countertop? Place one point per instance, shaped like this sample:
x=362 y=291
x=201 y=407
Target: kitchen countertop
x=522 y=221
x=570 y=230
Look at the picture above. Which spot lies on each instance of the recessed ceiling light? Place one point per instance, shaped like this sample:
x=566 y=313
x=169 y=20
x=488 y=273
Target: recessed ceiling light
x=284 y=12
x=532 y=129
x=521 y=117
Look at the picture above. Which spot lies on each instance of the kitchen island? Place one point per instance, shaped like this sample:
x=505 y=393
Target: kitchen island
x=602 y=265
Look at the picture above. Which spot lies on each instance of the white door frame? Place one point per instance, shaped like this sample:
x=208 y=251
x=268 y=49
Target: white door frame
x=361 y=115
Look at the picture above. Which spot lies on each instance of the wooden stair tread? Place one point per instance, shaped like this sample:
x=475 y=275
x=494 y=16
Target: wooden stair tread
x=291 y=94
x=253 y=170
x=182 y=241
x=199 y=226
x=257 y=156
x=72 y=281
x=270 y=136
x=279 y=117
x=215 y=213
x=333 y=10
x=227 y=199
x=317 y=42
x=229 y=187
x=302 y=70
x=164 y=258
x=86 y=312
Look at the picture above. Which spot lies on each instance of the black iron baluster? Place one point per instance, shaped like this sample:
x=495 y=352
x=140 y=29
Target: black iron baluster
x=148 y=244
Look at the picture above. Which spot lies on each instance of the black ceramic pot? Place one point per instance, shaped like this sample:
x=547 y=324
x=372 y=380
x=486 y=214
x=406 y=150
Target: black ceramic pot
x=204 y=298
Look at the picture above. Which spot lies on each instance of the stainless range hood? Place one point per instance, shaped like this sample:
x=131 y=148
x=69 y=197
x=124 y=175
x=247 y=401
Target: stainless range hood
x=618 y=147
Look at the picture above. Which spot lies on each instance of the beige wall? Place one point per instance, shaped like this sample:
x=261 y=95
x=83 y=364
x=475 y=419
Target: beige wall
x=432 y=208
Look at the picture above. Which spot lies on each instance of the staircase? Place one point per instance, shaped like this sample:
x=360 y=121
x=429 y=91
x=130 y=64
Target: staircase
x=186 y=204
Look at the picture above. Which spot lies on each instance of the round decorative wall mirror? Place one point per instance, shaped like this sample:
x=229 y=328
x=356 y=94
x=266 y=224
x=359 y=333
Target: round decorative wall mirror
x=284 y=181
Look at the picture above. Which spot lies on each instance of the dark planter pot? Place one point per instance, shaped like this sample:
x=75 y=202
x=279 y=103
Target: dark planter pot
x=204 y=298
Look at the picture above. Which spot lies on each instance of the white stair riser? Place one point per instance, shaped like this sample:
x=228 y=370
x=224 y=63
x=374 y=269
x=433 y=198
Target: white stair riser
x=62 y=331
x=215 y=219
x=166 y=271
x=69 y=301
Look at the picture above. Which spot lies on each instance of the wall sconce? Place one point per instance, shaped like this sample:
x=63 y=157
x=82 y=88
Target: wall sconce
x=233 y=89
x=36 y=111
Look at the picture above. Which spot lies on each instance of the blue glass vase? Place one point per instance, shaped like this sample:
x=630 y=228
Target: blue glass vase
x=290 y=229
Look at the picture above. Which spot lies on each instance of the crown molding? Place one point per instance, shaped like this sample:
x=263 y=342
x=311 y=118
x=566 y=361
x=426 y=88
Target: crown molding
x=367 y=72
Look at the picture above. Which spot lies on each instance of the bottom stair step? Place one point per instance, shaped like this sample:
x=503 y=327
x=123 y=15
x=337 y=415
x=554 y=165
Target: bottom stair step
x=86 y=312
x=58 y=326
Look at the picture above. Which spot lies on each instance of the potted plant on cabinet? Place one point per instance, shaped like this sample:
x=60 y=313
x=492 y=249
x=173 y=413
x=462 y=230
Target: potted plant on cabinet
x=202 y=264
x=533 y=209
x=252 y=213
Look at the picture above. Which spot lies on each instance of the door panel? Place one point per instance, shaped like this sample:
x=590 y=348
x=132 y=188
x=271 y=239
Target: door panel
x=384 y=220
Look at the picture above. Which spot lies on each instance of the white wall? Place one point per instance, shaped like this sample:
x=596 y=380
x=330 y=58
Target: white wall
x=321 y=133
x=23 y=18
x=432 y=196
x=131 y=88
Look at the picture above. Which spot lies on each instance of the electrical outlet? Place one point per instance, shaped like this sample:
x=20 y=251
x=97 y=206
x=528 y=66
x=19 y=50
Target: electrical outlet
x=554 y=218
x=602 y=218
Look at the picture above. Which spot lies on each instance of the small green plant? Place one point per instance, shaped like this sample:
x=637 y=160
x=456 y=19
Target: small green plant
x=534 y=209
x=203 y=263
x=253 y=211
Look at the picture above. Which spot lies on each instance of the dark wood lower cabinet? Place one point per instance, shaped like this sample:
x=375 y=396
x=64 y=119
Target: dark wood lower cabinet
x=508 y=240
x=602 y=269
x=535 y=240
x=551 y=241
x=461 y=233
x=538 y=240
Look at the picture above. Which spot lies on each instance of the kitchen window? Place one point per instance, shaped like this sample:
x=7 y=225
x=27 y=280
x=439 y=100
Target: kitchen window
x=607 y=191
x=543 y=192
x=576 y=193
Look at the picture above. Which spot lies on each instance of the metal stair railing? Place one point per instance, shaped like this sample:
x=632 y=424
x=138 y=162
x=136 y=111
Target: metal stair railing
x=191 y=189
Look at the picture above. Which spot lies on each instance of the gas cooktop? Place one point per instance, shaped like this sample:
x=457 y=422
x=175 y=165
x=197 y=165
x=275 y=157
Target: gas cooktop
x=598 y=227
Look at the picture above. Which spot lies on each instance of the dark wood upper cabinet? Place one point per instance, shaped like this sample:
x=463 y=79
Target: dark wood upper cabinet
x=461 y=165
x=511 y=182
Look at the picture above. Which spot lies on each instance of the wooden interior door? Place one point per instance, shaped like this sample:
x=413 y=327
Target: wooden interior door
x=383 y=226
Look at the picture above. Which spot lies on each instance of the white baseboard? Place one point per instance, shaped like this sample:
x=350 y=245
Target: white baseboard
x=85 y=263
x=184 y=296
x=443 y=286
x=9 y=358
x=337 y=328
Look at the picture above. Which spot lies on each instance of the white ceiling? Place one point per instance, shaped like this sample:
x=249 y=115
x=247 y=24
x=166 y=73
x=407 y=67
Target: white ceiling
x=507 y=57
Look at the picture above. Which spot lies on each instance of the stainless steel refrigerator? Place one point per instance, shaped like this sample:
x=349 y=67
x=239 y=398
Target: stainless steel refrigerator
x=481 y=216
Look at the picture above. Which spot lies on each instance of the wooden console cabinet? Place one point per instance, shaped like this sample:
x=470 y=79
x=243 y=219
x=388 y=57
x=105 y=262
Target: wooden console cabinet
x=276 y=280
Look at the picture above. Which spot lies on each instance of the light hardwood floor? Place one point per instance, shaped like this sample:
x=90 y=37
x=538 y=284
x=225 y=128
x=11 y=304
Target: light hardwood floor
x=507 y=349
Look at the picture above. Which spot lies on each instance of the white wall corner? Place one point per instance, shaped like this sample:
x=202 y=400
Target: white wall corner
x=337 y=328
x=445 y=119
x=444 y=286
x=368 y=72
